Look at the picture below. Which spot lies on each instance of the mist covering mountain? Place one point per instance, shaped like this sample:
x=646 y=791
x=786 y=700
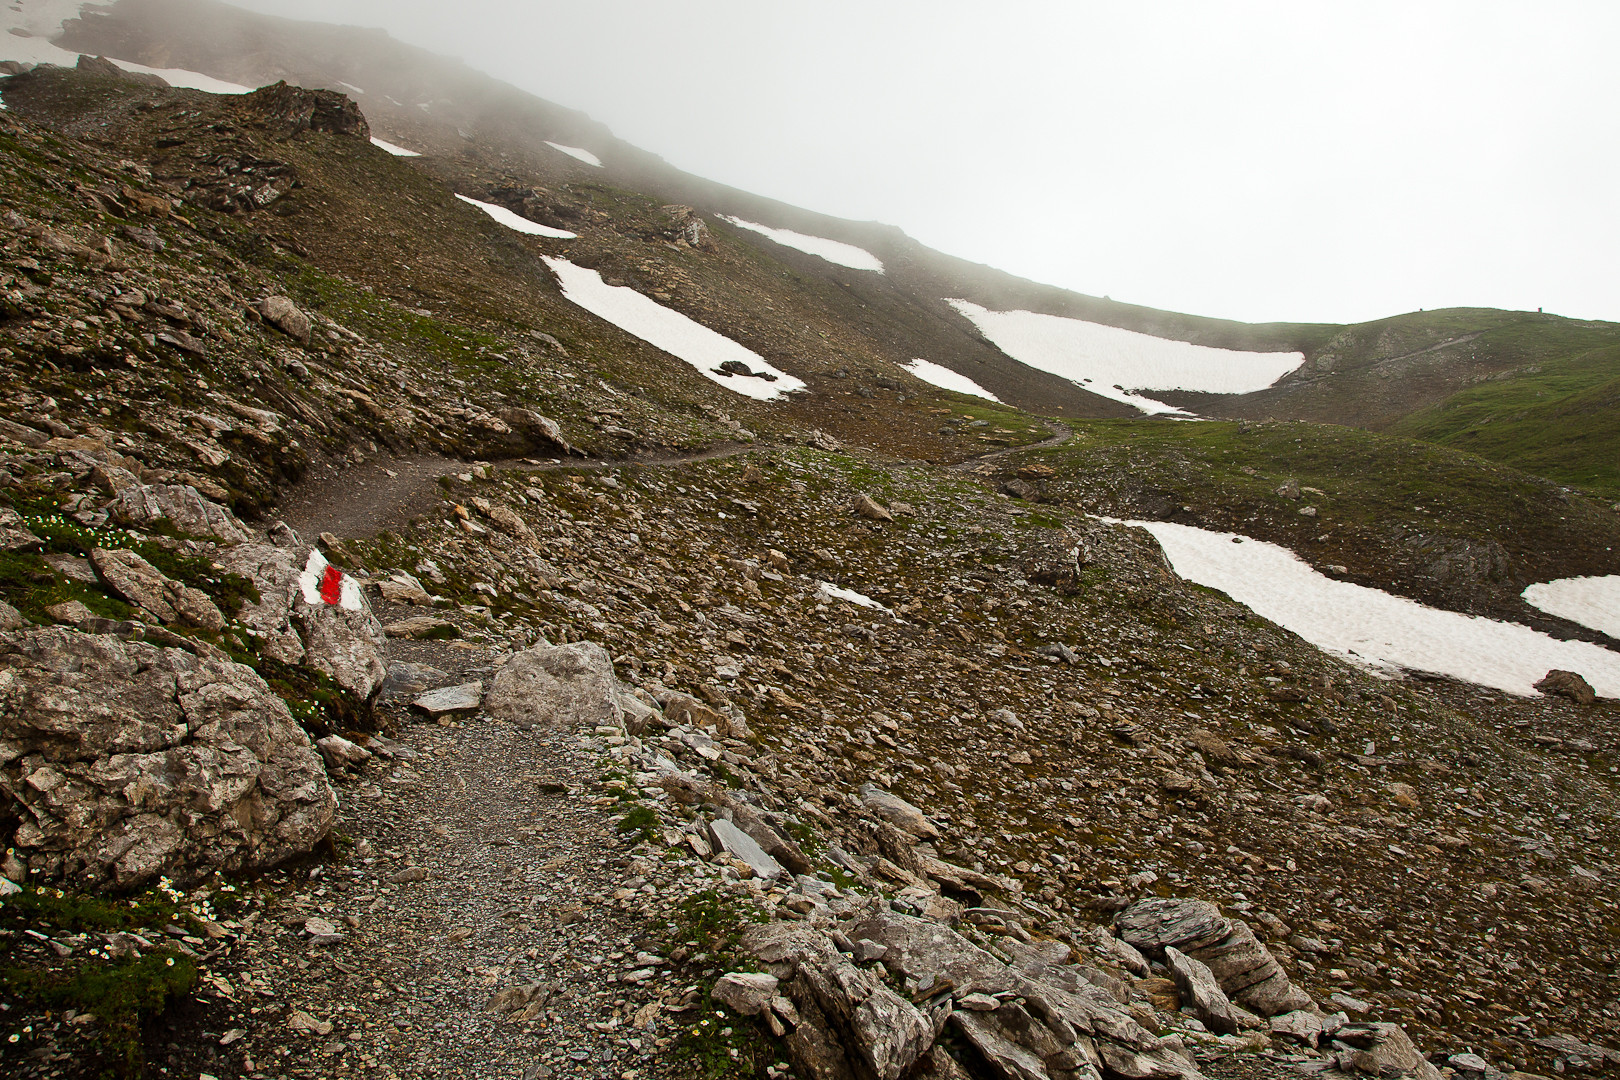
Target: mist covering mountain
x=482 y=601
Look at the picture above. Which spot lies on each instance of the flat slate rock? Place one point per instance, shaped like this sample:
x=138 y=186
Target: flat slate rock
x=407 y=679
x=728 y=837
x=448 y=699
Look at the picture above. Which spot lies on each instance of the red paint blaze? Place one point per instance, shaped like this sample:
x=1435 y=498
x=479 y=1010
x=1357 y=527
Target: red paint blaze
x=332 y=585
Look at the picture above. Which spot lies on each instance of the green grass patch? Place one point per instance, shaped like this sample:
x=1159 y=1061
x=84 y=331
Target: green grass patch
x=712 y=1042
x=123 y=993
x=640 y=819
x=1560 y=419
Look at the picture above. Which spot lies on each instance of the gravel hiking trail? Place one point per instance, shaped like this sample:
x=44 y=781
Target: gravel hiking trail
x=360 y=500
x=482 y=916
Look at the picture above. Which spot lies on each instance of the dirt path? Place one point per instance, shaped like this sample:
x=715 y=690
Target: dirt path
x=359 y=501
x=480 y=863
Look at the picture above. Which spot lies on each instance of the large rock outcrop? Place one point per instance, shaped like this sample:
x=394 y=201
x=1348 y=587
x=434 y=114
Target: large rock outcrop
x=1029 y=1023
x=290 y=110
x=123 y=760
x=1245 y=968
x=847 y=1025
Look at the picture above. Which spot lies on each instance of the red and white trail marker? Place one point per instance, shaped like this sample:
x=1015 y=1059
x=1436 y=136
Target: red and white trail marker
x=324 y=583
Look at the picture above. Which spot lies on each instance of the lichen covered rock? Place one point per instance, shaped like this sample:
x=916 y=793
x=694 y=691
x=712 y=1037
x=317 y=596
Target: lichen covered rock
x=123 y=761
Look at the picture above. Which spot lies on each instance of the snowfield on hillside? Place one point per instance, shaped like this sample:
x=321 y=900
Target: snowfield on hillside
x=1112 y=363
x=946 y=379
x=673 y=332
x=393 y=148
x=37 y=50
x=516 y=222
x=832 y=251
x=578 y=154
x=1591 y=601
x=1372 y=626
x=40 y=20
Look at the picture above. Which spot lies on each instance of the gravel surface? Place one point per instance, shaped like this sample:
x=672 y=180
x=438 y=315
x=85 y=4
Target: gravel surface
x=480 y=859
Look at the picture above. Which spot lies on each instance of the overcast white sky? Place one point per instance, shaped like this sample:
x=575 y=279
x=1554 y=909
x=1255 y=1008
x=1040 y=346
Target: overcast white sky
x=1250 y=159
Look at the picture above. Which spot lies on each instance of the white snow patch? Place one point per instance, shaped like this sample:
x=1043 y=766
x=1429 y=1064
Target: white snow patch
x=37 y=50
x=1111 y=362
x=393 y=148
x=833 y=592
x=185 y=80
x=518 y=223
x=671 y=331
x=1372 y=626
x=575 y=152
x=831 y=250
x=1590 y=601
x=351 y=88
x=946 y=379
x=41 y=18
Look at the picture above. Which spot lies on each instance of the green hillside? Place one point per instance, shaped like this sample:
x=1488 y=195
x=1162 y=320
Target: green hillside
x=1425 y=521
x=1556 y=418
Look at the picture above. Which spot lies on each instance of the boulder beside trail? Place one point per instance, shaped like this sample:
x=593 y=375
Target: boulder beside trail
x=122 y=761
x=1028 y=1026
x=308 y=612
x=557 y=686
x=846 y=1022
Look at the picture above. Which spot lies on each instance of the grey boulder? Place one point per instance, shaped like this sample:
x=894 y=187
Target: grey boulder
x=849 y=1023
x=747 y=993
x=727 y=837
x=122 y=761
x=284 y=315
x=1200 y=991
x=448 y=699
x=1067 y=1025
x=345 y=642
x=183 y=506
x=1567 y=684
x=557 y=686
x=407 y=679
x=1383 y=1050
x=899 y=813
x=148 y=588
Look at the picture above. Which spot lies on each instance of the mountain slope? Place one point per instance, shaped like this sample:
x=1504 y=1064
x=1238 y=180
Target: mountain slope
x=804 y=615
x=482 y=135
x=1554 y=417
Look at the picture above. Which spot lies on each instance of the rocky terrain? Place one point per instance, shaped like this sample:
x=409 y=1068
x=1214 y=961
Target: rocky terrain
x=405 y=673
